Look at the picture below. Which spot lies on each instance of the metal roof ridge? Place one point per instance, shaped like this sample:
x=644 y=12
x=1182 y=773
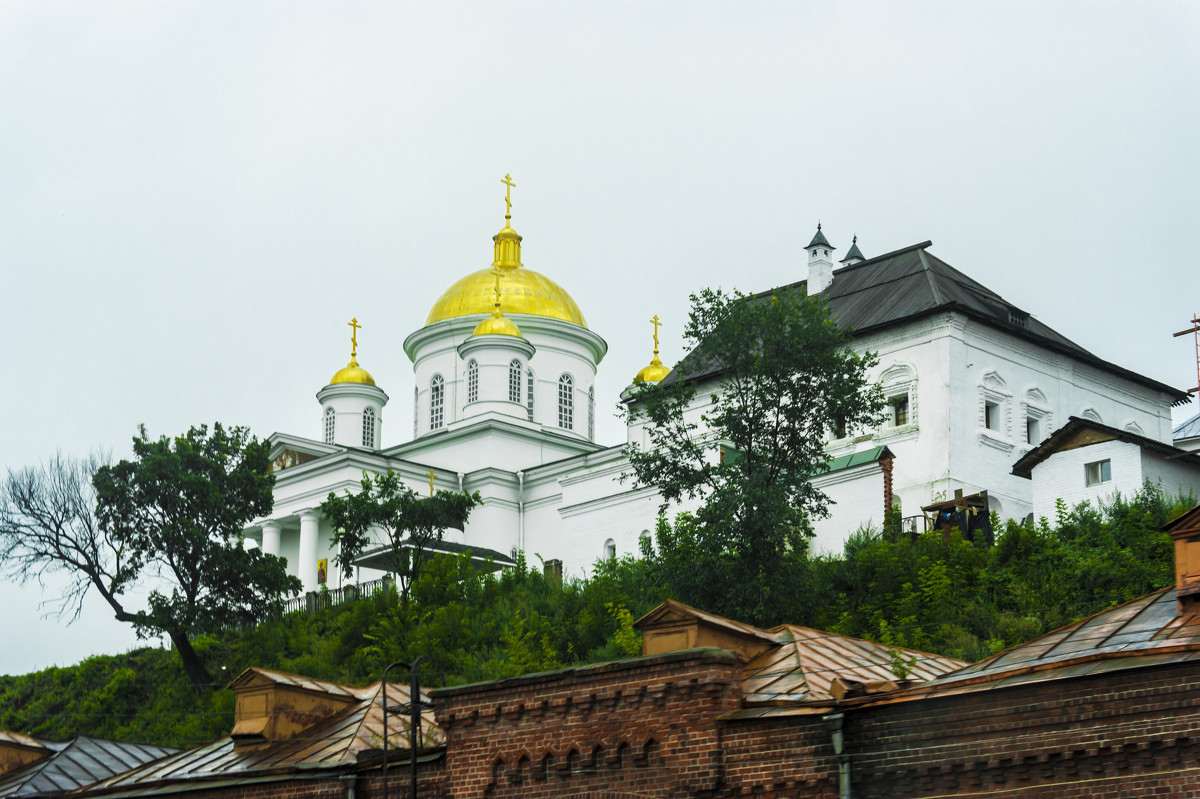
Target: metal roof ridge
x=937 y=295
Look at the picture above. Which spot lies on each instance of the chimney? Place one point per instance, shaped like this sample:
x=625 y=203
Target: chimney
x=1185 y=532
x=820 y=263
x=273 y=706
x=17 y=750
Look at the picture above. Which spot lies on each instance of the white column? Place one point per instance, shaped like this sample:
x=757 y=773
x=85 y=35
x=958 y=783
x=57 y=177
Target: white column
x=307 y=571
x=270 y=537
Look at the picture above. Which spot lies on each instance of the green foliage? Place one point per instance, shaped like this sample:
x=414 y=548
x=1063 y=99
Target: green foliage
x=411 y=523
x=779 y=374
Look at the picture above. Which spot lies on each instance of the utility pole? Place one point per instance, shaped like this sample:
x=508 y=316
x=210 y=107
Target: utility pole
x=1195 y=331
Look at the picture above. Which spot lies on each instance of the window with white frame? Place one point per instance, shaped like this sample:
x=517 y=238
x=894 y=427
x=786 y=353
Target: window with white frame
x=1036 y=411
x=566 y=402
x=472 y=381
x=514 y=381
x=610 y=549
x=330 y=420
x=995 y=410
x=1097 y=472
x=369 y=427
x=899 y=384
x=529 y=393
x=437 y=402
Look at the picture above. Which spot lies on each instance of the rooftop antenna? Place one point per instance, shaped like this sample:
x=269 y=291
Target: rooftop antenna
x=1195 y=331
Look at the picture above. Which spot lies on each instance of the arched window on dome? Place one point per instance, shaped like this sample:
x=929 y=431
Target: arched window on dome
x=566 y=402
x=529 y=392
x=514 y=381
x=369 y=427
x=437 y=401
x=329 y=425
x=591 y=413
x=472 y=380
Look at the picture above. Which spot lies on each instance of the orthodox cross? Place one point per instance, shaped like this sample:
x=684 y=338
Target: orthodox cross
x=354 y=336
x=431 y=474
x=1195 y=331
x=656 y=323
x=508 y=184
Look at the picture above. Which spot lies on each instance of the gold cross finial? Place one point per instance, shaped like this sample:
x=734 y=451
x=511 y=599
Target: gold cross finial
x=656 y=323
x=354 y=336
x=508 y=185
x=431 y=474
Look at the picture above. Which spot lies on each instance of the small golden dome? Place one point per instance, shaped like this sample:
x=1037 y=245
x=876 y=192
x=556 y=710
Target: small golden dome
x=653 y=373
x=497 y=325
x=352 y=373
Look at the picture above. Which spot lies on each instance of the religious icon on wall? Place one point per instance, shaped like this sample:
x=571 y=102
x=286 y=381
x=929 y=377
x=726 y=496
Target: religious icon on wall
x=322 y=570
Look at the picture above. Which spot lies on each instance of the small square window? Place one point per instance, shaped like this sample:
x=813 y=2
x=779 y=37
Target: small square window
x=991 y=415
x=1033 y=430
x=897 y=411
x=1097 y=472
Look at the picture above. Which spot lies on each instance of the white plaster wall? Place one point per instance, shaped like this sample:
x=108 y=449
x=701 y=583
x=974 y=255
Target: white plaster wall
x=1062 y=476
x=349 y=401
x=856 y=500
x=1173 y=476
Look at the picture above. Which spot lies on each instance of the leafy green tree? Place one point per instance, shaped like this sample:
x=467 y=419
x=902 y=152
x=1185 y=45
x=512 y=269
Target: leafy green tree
x=411 y=523
x=740 y=426
x=176 y=512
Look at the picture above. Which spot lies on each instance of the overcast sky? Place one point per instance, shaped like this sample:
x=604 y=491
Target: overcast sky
x=196 y=197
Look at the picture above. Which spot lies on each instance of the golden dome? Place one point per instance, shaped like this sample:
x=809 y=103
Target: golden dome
x=352 y=373
x=497 y=325
x=653 y=373
x=524 y=291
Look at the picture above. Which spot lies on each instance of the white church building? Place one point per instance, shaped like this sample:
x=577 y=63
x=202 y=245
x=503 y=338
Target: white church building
x=504 y=404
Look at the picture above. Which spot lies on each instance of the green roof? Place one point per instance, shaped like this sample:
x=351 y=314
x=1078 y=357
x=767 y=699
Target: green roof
x=856 y=459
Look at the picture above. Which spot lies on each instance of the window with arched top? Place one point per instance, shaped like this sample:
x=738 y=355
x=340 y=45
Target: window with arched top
x=529 y=393
x=472 y=380
x=566 y=402
x=591 y=413
x=610 y=548
x=437 y=402
x=1039 y=420
x=329 y=425
x=369 y=427
x=514 y=381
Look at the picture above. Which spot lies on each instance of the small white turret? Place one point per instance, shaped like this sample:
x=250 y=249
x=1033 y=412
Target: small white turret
x=352 y=405
x=820 y=263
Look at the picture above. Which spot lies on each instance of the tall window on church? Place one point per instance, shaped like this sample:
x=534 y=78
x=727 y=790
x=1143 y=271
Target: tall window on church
x=472 y=381
x=529 y=392
x=514 y=381
x=369 y=427
x=437 y=401
x=329 y=420
x=592 y=413
x=566 y=402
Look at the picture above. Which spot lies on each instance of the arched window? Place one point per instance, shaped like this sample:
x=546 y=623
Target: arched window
x=610 y=548
x=514 y=381
x=369 y=427
x=566 y=402
x=529 y=392
x=472 y=381
x=437 y=399
x=591 y=413
x=329 y=422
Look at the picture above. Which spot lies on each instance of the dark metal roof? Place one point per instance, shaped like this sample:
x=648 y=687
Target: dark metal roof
x=482 y=558
x=909 y=284
x=819 y=240
x=76 y=764
x=332 y=744
x=1079 y=432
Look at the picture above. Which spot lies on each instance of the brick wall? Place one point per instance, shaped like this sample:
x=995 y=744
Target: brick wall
x=645 y=727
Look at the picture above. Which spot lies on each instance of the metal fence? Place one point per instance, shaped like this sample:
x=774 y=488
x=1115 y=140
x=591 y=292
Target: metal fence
x=326 y=598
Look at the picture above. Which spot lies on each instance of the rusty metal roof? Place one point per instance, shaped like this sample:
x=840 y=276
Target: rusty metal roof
x=802 y=668
x=1145 y=632
x=74 y=764
x=332 y=744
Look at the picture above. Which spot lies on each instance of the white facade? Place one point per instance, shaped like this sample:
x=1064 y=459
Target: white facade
x=512 y=417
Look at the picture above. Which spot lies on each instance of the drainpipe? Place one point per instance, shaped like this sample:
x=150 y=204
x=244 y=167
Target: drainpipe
x=460 y=483
x=834 y=722
x=521 y=511
x=348 y=783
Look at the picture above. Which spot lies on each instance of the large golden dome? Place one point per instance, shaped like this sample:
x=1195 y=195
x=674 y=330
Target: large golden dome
x=522 y=290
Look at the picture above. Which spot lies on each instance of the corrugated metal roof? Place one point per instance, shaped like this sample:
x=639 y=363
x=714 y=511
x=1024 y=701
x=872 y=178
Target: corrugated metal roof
x=910 y=283
x=802 y=668
x=1144 y=632
x=857 y=459
x=1079 y=432
x=76 y=764
x=329 y=744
